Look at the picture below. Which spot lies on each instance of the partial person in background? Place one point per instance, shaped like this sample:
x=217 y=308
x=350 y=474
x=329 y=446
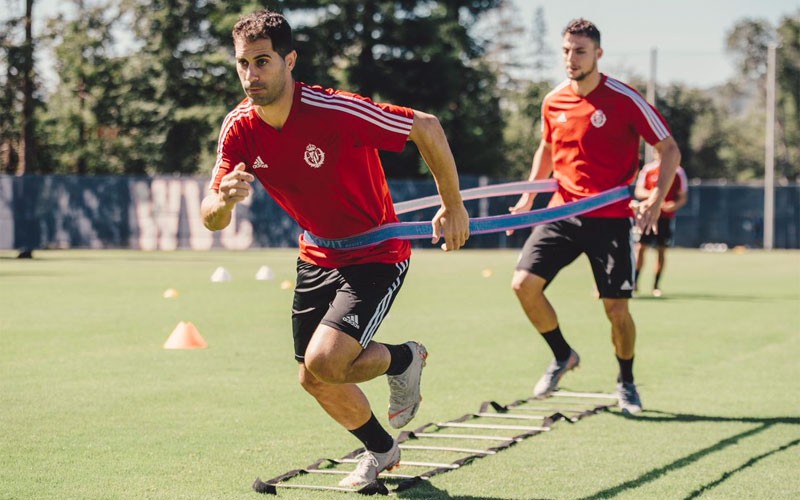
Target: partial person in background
x=676 y=197
x=315 y=151
x=591 y=128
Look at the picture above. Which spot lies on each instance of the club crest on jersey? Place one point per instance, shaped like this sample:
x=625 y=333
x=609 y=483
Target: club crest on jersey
x=598 y=118
x=314 y=156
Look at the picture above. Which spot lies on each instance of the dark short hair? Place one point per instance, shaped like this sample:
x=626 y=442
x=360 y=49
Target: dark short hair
x=266 y=25
x=583 y=27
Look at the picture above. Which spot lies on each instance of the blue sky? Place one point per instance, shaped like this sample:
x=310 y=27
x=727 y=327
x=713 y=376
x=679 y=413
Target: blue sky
x=688 y=34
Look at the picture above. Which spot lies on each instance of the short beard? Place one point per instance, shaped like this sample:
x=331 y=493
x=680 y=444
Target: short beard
x=262 y=99
x=582 y=76
x=268 y=97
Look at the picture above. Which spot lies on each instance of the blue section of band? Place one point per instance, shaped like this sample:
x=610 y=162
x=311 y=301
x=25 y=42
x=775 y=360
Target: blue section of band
x=480 y=225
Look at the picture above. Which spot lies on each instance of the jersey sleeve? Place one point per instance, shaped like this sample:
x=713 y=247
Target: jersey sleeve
x=547 y=130
x=228 y=151
x=646 y=119
x=380 y=125
x=650 y=124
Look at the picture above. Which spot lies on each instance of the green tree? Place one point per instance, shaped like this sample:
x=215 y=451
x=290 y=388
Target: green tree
x=503 y=34
x=694 y=121
x=414 y=53
x=523 y=130
x=747 y=42
x=27 y=149
x=181 y=83
x=788 y=108
x=19 y=99
x=157 y=108
x=542 y=54
x=10 y=101
x=520 y=147
x=82 y=123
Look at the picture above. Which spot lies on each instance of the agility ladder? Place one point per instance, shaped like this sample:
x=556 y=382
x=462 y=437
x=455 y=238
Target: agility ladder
x=478 y=225
x=507 y=425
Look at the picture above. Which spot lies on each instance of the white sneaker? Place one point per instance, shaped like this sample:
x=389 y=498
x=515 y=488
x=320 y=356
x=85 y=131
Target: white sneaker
x=404 y=389
x=629 y=400
x=370 y=464
x=552 y=376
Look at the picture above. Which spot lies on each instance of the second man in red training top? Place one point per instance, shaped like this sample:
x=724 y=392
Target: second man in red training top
x=591 y=127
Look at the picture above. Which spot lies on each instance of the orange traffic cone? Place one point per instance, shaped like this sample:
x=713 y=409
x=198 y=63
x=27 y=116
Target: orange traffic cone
x=185 y=336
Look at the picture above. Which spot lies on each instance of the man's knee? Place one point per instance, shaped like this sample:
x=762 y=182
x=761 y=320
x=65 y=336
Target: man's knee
x=308 y=381
x=326 y=368
x=525 y=284
x=313 y=384
x=617 y=310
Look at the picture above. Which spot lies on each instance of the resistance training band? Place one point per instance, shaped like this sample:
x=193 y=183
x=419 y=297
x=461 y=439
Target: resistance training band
x=479 y=225
x=480 y=192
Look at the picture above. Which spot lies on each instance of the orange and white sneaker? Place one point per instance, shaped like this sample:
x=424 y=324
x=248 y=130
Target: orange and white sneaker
x=404 y=389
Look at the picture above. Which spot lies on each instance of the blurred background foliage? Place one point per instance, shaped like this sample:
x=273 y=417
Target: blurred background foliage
x=140 y=87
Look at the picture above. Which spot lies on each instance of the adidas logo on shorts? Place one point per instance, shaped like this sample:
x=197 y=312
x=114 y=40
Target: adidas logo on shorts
x=351 y=319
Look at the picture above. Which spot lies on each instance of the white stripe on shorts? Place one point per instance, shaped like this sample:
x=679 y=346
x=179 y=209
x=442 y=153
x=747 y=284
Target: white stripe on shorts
x=383 y=307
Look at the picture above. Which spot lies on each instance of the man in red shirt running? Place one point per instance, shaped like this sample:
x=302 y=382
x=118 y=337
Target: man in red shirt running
x=315 y=151
x=676 y=198
x=591 y=125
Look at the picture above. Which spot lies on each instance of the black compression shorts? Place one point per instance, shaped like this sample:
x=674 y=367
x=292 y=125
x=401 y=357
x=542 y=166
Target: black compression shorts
x=607 y=242
x=352 y=299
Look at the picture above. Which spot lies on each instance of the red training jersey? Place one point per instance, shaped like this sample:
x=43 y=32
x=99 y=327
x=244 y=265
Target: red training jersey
x=323 y=167
x=648 y=179
x=595 y=140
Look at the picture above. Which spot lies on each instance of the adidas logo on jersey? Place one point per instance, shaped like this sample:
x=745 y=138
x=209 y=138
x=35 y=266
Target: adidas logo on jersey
x=351 y=319
x=259 y=163
x=562 y=118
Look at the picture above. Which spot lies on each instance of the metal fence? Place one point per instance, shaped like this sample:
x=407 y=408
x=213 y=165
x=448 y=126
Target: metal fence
x=163 y=213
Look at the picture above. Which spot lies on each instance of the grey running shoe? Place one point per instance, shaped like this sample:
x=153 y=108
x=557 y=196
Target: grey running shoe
x=629 y=400
x=549 y=381
x=404 y=396
x=370 y=464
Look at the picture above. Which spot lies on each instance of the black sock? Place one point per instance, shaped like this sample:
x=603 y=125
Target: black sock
x=561 y=350
x=400 y=358
x=374 y=436
x=625 y=370
x=658 y=278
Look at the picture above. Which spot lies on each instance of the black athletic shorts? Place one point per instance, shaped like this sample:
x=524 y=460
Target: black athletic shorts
x=352 y=299
x=666 y=229
x=607 y=242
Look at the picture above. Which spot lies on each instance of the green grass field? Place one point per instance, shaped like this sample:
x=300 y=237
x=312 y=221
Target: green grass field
x=92 y=407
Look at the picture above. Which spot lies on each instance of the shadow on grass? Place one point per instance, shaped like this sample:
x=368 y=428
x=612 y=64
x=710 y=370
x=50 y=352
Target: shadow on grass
x=715 y=297
x=427 y=491
x=762 y=424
